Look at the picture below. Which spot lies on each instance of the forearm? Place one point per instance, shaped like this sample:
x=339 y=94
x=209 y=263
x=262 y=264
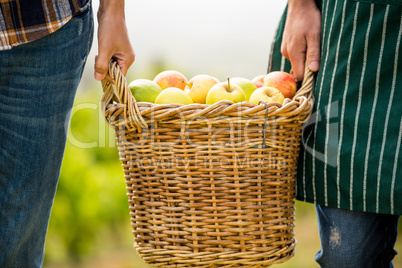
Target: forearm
x=113 y=40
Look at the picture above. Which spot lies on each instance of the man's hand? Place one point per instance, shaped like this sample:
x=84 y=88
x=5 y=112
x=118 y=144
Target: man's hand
x=302 y=36
x=113 y=40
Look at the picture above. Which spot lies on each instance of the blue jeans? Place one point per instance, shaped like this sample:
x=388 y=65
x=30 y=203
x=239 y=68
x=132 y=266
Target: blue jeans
x=38 y=82
x=353 y=239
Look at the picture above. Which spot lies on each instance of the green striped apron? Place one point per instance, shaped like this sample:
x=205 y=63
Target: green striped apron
x=351 y=155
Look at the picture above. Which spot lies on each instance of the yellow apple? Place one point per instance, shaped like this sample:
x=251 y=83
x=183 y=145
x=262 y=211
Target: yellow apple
x=198 y=87
x=245 y=84
x=258 y=80
x=282 y=81
x=173 y=95
x=267 y=94
x=225 y=91
x=144 y=90
x=171 y=78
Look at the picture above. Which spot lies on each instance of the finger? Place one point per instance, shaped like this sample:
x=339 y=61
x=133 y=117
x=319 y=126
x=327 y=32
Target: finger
x=123 y=68
x=314 y=52
x=126 y=62
x=284 y=51
x=101 y=66
x=298 y=61
x=296 y=54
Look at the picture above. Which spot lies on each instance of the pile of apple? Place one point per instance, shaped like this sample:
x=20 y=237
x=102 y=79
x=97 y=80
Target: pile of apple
x=173 y=87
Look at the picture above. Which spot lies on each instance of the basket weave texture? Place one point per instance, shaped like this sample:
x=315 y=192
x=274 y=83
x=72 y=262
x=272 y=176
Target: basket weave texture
x=209 y=185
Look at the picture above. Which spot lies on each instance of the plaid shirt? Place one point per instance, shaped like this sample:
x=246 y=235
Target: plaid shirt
x=22 y=21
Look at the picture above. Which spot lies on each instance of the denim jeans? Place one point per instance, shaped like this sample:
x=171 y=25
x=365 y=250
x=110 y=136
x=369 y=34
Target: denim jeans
x=354 y=239
x=38 y=82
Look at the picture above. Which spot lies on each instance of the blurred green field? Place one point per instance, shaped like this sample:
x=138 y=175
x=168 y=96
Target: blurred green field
x=90 y=225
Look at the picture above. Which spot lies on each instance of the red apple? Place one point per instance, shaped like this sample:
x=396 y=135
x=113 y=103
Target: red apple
x=198 y=87
x=282 y=81
x=171 y=78
x=258 y=80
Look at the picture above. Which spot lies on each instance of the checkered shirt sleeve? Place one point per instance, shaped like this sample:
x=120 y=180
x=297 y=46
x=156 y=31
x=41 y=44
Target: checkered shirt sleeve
x=22 y=21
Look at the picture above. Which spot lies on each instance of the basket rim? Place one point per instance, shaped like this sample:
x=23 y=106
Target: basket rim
x=120 y=107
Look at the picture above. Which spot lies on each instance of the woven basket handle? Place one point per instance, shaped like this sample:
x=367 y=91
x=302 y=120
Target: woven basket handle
x=118 y=84
x=306 y=88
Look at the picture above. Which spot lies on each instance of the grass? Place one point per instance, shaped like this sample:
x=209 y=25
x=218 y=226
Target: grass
x=124 y=256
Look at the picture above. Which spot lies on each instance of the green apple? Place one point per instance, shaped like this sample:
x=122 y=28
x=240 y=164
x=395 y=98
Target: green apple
x=245 y=84
x=171 y=78
x=173 y=95
x=225 y=91
x=267 y=94
x=198 y=87
x=144 y=90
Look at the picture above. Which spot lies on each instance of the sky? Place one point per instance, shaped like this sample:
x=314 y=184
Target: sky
x=222 y=38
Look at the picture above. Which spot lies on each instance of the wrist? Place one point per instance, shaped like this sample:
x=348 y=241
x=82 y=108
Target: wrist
x=301 y=4
x=114 y=8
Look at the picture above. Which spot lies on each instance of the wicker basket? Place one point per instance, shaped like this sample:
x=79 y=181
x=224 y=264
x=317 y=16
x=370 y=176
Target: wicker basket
x=209 y=185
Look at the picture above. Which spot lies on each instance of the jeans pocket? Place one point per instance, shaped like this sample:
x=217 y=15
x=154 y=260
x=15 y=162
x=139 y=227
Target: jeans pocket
x=83 y=10
x=383 y=2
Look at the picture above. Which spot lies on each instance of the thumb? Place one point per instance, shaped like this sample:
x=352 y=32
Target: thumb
x=313 y=55
x=101 y=66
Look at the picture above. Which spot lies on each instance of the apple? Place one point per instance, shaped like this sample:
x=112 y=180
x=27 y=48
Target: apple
x=225 y=91
x=258 y=80
x=198 y=87
x=267 y=94
x=245 y=84
x=171 y=78
x=173 y=95
x=282 y=81
x=144 y=90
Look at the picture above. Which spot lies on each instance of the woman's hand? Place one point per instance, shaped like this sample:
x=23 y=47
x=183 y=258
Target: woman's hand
x=113 y=40
x=301 y=41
